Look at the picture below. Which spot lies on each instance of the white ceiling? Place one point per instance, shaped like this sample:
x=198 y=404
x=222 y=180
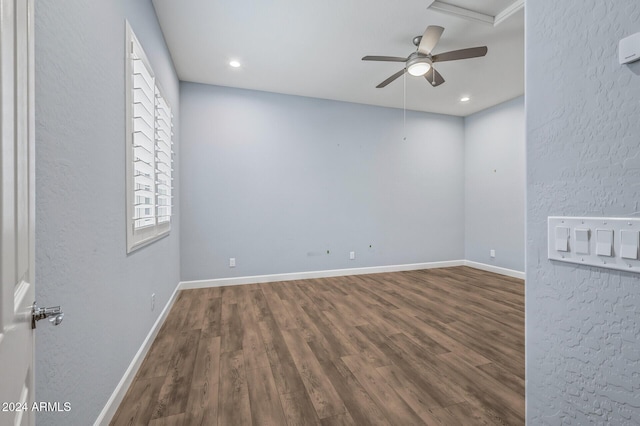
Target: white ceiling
x=314 y=48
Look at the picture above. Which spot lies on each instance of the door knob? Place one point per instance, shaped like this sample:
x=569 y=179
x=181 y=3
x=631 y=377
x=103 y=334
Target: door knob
x=54 y=314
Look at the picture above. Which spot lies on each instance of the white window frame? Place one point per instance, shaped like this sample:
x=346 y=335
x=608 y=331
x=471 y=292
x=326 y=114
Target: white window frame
x=140 y=235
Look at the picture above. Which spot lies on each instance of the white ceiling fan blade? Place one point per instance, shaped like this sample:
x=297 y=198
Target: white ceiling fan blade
x=472 y=52
x=385 y=58
x=430 y=38
x=390 y=79
x=434 y=77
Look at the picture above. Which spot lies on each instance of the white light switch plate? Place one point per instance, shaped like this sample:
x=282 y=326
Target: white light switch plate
x=605 y=242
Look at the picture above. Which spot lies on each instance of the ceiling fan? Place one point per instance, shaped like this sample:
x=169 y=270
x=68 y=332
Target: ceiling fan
x=420 y=62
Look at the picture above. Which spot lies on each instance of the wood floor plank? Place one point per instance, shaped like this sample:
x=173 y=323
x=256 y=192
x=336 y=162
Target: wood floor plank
x=214 y=292
x=259 y=304
x=362 y=345
x=312 y=291
x=232 y=331
x=420 y=402
x=348 y=313
x=175 y=420
x=212 y=320
x=301 y=320
x=336 y=342
x=156 y=364
x=509 y=336
x=452 y=345
x=438 y=347
x=510 y=380
x=285 y=372
x=207 y=362
x=429 y=381
x=388 y=400
x=361 y=284
x=410 y=326
x=138 y=404
x=457 y=294
x=415 y=304
x=339 y=420
x=323 y=395
x=442 y=417
x=465 y=412
x=278 y=288
x=174 y=394
x=229 y=295
x=195 y=316
x=511 y=359
x=264 y=399
x=278 y=310
x=202 y=406
x=298 y=409
x=253 y=348
x=364 y=305
x=363 y=410
x=233 y=398
x=483 y=391
x=179 y=311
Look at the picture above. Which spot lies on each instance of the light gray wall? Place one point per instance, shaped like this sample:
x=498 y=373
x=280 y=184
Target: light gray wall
x=275 y=181
x=81 y=260
x=494 y=185
x=583 y=139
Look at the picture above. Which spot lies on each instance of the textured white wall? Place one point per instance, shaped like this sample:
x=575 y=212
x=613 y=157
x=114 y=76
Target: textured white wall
x=81 y=260
x=494 y=185
x=583 y=140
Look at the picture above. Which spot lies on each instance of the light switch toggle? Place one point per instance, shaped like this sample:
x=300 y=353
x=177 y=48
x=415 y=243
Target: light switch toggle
x=562 y=238
x=604 y=242
x=582 y=241
x=629 y=244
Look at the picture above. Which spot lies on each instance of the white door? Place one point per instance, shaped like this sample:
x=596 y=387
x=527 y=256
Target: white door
x=17 y=196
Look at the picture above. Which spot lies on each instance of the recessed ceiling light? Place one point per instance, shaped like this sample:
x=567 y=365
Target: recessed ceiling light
x=234 y=64
x=465 y=99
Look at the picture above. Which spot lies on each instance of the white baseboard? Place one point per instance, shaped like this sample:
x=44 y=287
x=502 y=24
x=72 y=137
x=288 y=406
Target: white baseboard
x=496 y=269
x=255 y=279
x=109 y=410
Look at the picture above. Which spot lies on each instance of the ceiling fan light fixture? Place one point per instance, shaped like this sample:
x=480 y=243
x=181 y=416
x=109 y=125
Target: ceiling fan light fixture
x=418 y=66
x=420 y=62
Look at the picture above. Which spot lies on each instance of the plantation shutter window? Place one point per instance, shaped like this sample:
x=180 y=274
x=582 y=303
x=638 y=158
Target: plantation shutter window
x=149 y=151
x=164 y=159
x=143 y=142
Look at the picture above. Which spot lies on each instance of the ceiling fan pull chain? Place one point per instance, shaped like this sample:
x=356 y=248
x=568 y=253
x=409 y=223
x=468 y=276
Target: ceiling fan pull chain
x=404 y=106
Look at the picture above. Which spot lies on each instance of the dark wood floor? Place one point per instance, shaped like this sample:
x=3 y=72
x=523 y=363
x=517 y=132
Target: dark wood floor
x=435 y=347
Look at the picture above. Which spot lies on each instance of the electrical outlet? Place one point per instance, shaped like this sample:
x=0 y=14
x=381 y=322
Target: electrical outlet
x=352 y=255
x=232 y=262
x=153 y=301
x=492 y=253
